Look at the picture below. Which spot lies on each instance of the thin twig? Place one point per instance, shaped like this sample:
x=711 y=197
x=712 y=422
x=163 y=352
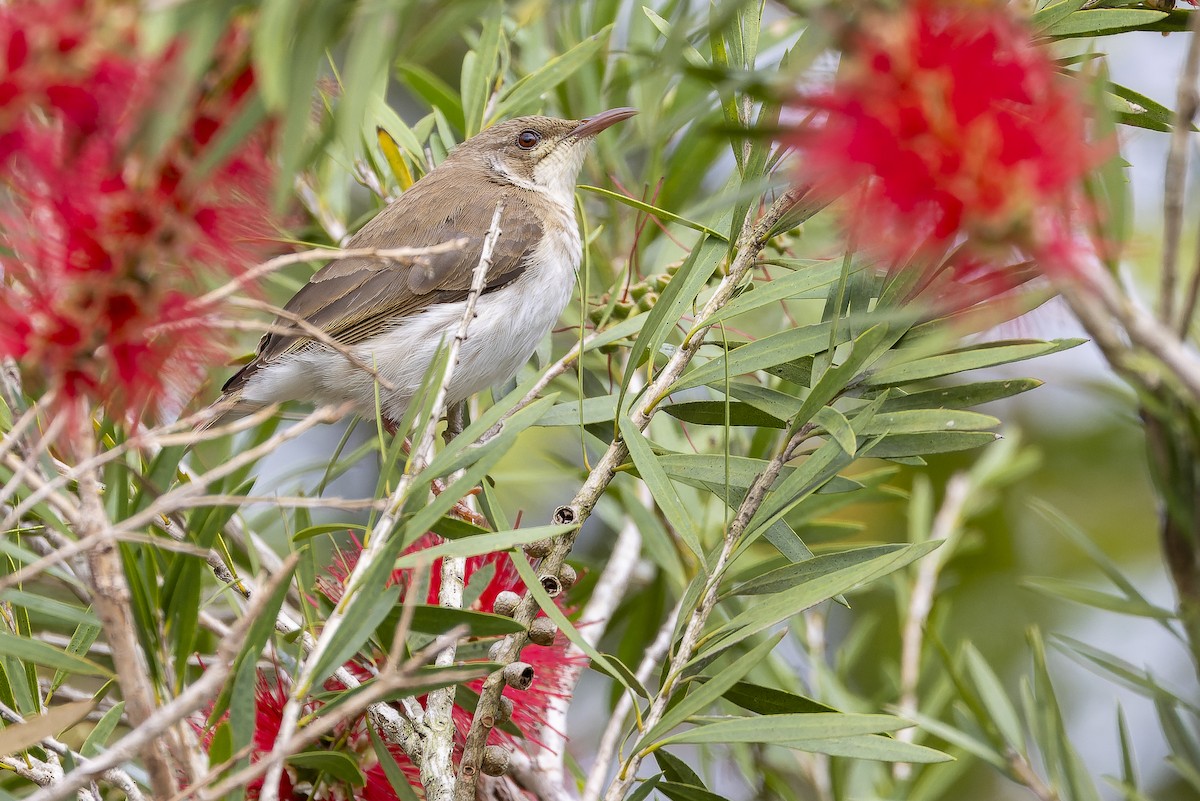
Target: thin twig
x=317 y=335
x=387 y=683
x=373 y=548
x=437 y=767
x=1141 y=327
x=610 y=590
x=325 y=254
x=610 y=741
x=116 y=777
x=112 y=603
x=689 y=641
x=752 y=242
x=1175 y=180
x=165 y=717
x=920 y=603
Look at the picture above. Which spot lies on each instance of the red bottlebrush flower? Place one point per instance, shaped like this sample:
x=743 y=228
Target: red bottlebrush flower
x=948 y=121
x=554 y=665
x=296 y=784
x=105 y=248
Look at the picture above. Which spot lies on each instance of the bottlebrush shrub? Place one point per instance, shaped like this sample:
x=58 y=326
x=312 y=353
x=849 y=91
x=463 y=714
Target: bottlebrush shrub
x=106 y=245
x=948 y=122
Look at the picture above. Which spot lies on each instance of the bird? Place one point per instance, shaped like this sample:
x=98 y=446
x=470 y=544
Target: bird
x=394 y=315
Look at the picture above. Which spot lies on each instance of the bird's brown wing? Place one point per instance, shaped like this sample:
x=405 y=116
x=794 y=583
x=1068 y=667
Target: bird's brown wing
x=354 y=299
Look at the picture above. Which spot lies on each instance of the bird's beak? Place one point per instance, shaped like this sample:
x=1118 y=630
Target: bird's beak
x=595 y=124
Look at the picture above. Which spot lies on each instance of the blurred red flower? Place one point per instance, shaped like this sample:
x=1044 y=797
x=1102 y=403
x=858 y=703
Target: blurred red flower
x=106 y=245
x=948 y=121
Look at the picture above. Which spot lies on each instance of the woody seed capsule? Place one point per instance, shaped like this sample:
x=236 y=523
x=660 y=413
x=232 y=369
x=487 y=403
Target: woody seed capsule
x=518 y=675
x=542 y=631
x=504 y=710
x=539 y=549
x=506 y=603
x=567 y=576
x=495 y=760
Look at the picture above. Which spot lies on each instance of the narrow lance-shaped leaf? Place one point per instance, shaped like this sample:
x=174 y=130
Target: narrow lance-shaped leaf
x=711 y=691
x=664 y=494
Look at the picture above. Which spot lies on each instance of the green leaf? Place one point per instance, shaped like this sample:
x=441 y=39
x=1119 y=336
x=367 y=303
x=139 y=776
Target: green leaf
x=479 y=67
x=369 y=48
x=675 y=769
x=865 y=350
x=81 y=642
x=15 y=738
x=786 y=346
x=434 y=91
x=647 y=787
x=687 y=792
x=917 y=421
x=779 y=728
x=1054 y=13
x=712 y=690
x=50 y=608
x=1123 y=672
x=1083 y=594
x=835 y=424
x=961 y=396
x=928 y=443
x=959 y=739
x=805 y=279
x=867 y=560
x=589 y=411
x=40 y=653
x=797 y=587
x=363 y=614
x=682 y=289
x=712 y=413
x=1001 y=713
x=869 y=746
x=257 y=634
x=990 y=354
x=98 y=737
x=770 y=701
x=528 y=92
x=433 y=619
x=337 y=764
x=1102 y=22
x=1134 y=108
x=391 y=770
x=663 y=492
x=658 y=213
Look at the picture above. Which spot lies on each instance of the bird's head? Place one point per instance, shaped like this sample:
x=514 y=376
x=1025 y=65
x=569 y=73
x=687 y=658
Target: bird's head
x=537 y=152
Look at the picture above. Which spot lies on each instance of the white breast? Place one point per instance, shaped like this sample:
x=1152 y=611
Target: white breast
x=509 y=324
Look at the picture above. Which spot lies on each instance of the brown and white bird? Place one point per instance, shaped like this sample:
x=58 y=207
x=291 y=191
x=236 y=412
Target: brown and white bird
x=395 y=316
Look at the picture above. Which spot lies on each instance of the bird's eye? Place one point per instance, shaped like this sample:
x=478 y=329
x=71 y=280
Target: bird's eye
x=527 y=140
